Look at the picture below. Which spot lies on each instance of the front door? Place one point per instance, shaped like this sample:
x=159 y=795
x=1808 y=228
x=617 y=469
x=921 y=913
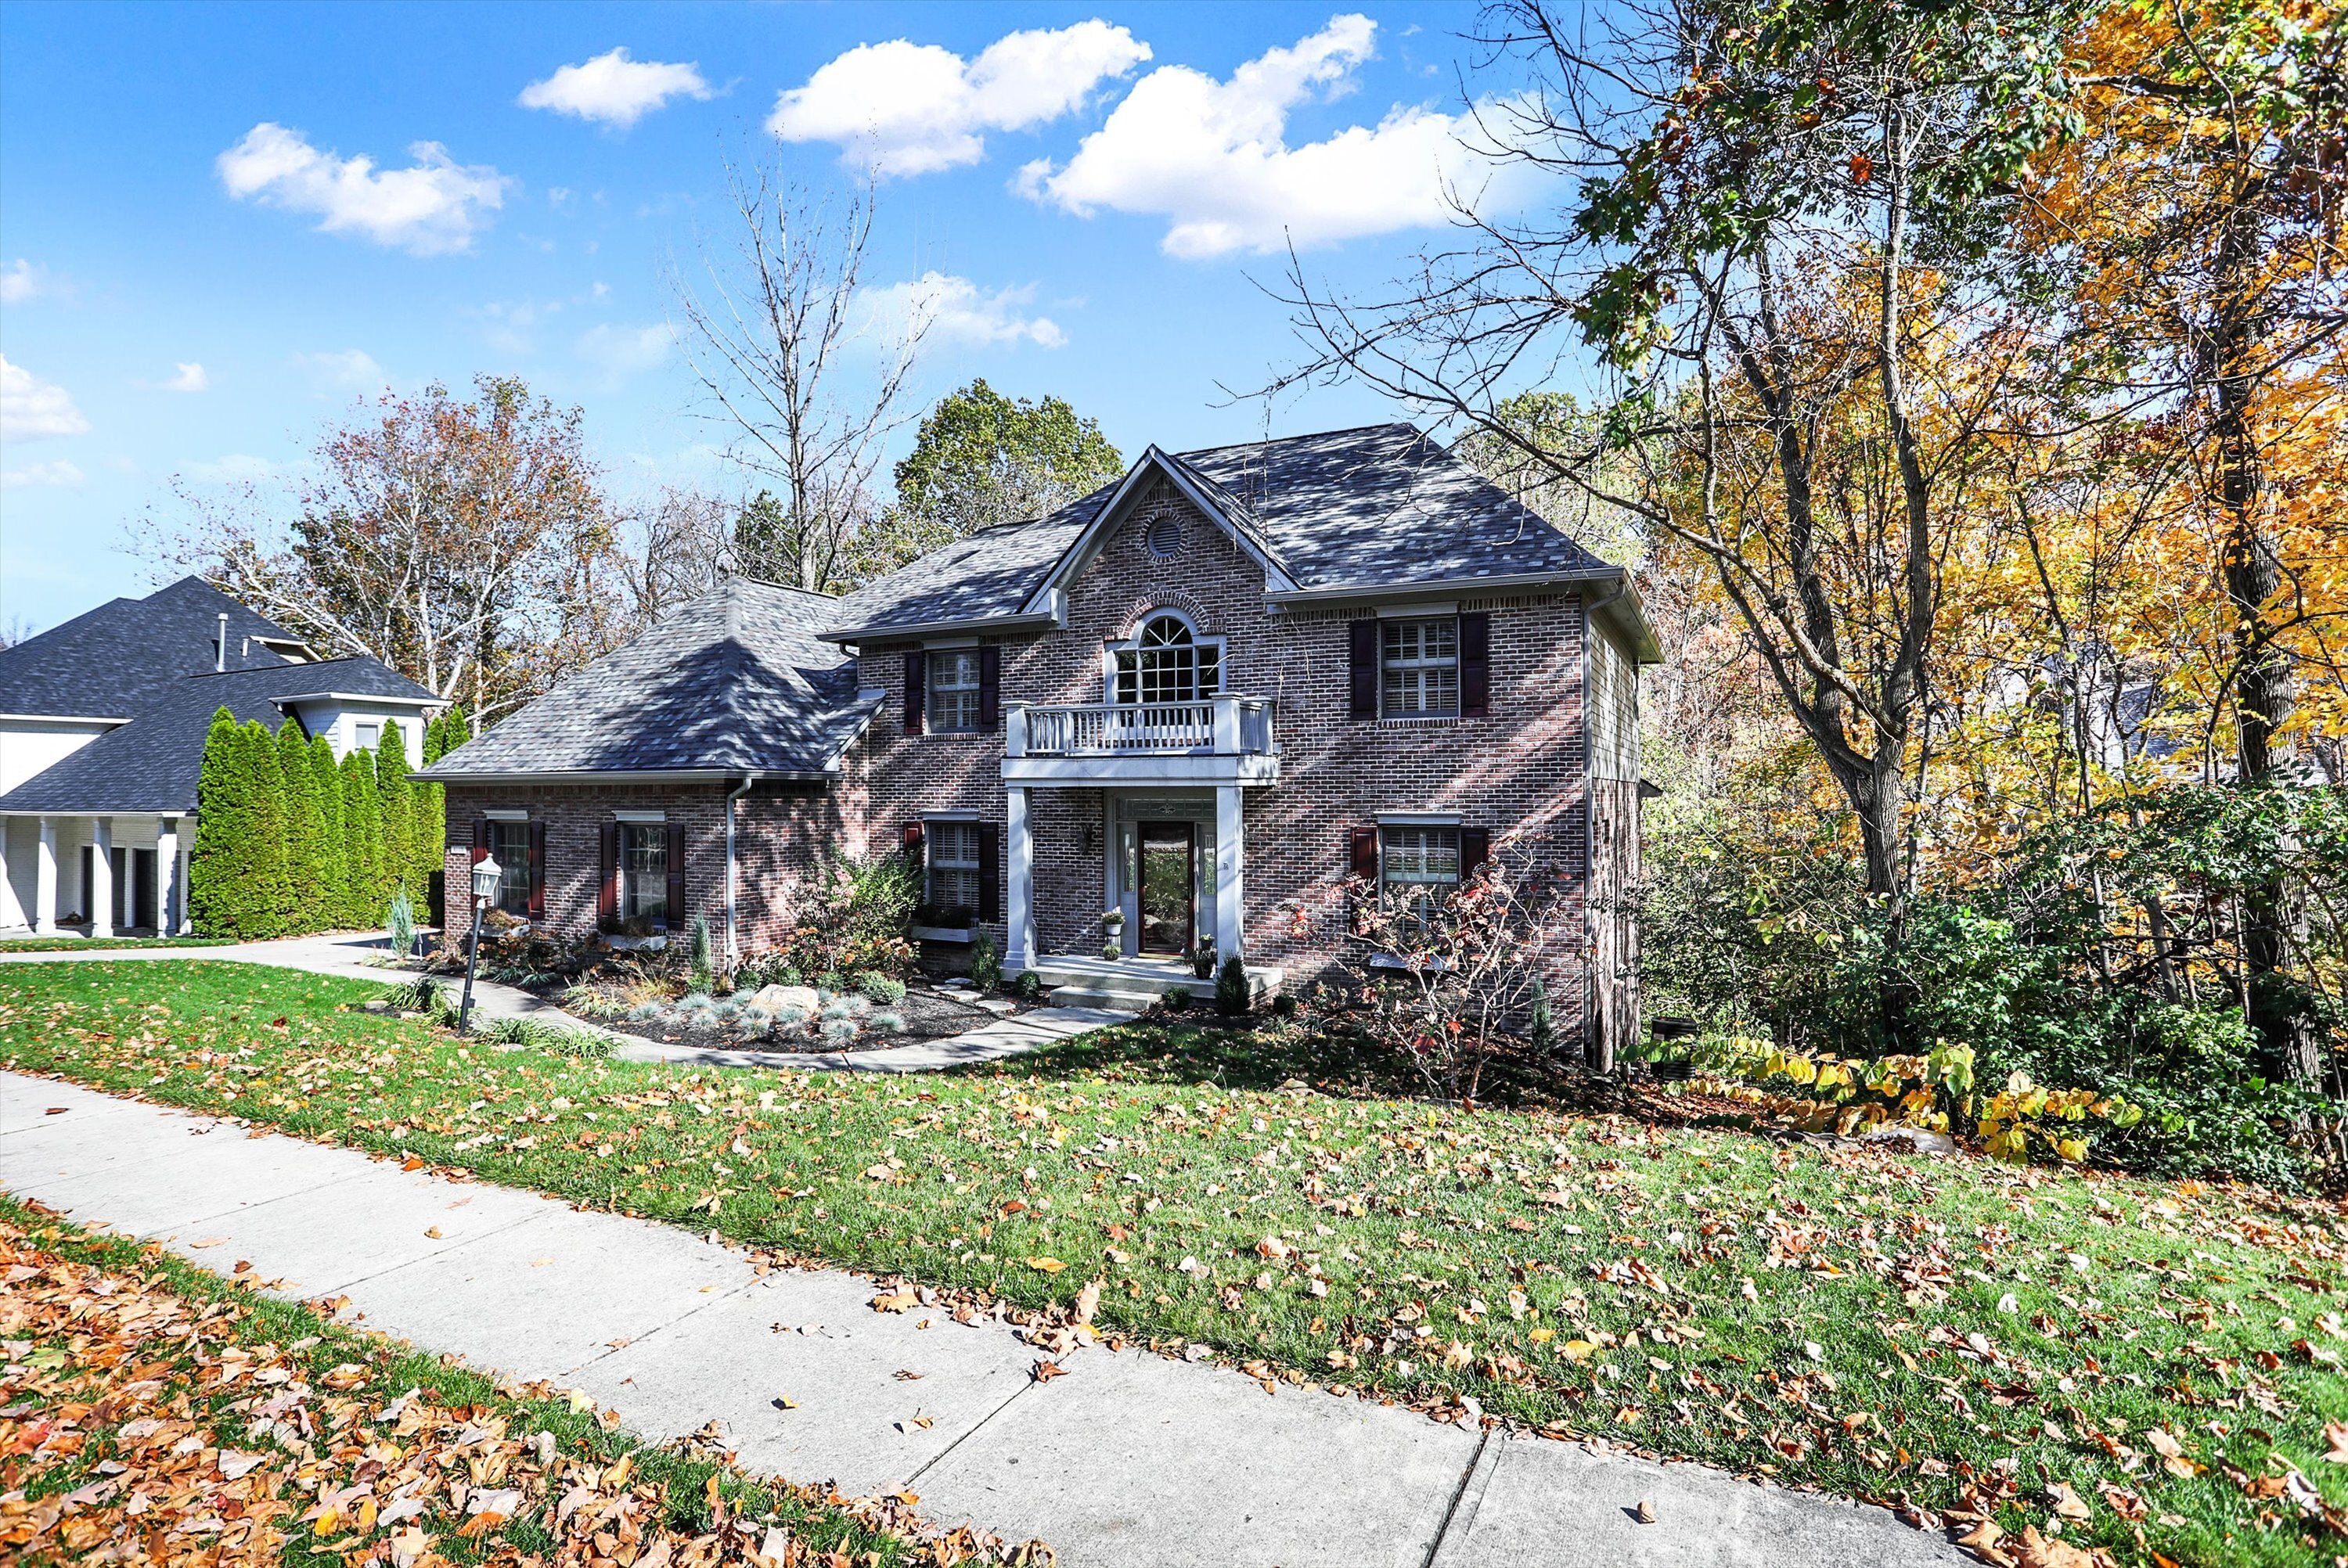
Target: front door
x=1167 y=877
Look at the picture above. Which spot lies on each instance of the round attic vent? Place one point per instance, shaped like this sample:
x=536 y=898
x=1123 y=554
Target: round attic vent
x=1164 y=538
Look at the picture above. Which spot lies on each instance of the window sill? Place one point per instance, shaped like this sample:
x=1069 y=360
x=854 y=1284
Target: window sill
x=944 y=933
x=1388 y=961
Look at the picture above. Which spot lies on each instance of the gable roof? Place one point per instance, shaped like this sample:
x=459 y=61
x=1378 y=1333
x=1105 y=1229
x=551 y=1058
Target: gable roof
x=111 y=661
x=1378 y=509
x=733 y=682
x=152 y=763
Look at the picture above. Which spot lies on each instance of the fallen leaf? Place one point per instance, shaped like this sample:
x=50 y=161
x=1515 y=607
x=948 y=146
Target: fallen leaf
x=1046 y=1370
x=1645 y=1513
x=1046 y=1265
x=2067 y=1503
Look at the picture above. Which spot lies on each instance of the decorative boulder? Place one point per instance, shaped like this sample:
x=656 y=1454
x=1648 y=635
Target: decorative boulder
x=774 y=999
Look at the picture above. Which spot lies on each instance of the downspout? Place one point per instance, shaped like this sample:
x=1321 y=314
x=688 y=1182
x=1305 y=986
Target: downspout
x=733 y=930
x=1591 y=1022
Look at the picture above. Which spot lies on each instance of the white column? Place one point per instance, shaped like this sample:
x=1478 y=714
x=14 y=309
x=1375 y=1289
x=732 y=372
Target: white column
x=12 y=913
x=183 y=923
x=100 y=892
x=45 y=880
x=167 y=876
x=1020 y=903
x=1231 y=855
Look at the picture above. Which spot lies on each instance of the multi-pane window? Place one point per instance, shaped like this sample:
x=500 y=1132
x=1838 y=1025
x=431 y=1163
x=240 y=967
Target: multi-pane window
x=1166 y=664
x=953 y=690
x=953 y=851
x=369 y=736
x=1420 y=665
x=510 y=847
x=1418 y=867
x=643 y=873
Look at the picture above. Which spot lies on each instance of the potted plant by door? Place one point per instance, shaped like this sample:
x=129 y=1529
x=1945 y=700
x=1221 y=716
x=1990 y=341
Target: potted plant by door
x=1202 y=960
x=1112 y=934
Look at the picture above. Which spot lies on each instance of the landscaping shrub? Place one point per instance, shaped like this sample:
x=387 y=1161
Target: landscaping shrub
x=854 y=915
x=886 y=989
x=702 y=964
x=399 y=924
x=985 y=964
x=1028 y=987
x=1178 y=998
x=1231 y=990
x=421 y=994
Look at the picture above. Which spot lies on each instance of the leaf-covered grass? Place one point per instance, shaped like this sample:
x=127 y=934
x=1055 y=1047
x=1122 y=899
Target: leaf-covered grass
x=1957 y=1333
x=101 y=944
x=159 y=1409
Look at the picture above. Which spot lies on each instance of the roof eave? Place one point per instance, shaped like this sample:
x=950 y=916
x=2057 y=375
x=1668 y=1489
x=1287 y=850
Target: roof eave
x=364 y=697
x=1080 y=547
x=1024 y=621
x=622 y=776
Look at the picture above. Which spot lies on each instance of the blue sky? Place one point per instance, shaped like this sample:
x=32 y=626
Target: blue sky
x=196 y=274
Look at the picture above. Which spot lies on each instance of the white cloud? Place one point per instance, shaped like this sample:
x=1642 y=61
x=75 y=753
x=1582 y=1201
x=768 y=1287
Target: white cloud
x=57 y=473
x=615 y=89
x=902 y=108
x=618 y=353
x=236 y=468
x=189 y=377
x=345 y=370
x=22 y=281
x=1211 y=156
x=958 y=311
x=31 y=407
x=431 y=208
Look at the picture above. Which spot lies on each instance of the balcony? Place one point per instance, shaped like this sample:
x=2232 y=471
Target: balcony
x=1214 y=739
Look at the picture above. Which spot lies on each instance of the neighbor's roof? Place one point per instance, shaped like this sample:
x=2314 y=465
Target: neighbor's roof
x=733 y=682
x=111 y=661
x=1378 y=509
x=152 y=763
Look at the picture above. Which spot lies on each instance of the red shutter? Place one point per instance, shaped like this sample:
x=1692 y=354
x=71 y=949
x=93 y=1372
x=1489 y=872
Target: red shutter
x=538 y=870
x=908 y=839
x=990 y=872
x=1362 y=852
x=1362 y=667
x=1475 y=668
x=990 y=687
x=480 y=839
x=1474 y=849
x=917 y=678
x=607 y=889
x=678 y=918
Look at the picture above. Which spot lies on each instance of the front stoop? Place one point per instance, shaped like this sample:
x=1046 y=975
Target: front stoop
x=1132 y=985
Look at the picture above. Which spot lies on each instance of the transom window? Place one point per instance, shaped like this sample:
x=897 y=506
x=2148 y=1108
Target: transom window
x=509 y=844
x=1420 y=667
x=1417 y=866
x=953 y=690
x=644 y=872
x=953 y=851
x=1166 y=663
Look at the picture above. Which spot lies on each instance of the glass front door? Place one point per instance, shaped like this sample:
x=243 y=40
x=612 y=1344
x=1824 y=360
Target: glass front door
x=1168 y=878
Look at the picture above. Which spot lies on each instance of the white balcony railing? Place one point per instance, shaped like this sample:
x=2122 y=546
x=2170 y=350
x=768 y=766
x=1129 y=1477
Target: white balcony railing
x=1211 y=726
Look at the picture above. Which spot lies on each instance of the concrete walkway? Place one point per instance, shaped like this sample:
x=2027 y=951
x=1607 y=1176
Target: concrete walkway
x=355 y=956
x=1128 y=1462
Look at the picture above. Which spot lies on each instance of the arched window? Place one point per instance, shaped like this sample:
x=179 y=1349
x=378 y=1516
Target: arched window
x=1165 y=663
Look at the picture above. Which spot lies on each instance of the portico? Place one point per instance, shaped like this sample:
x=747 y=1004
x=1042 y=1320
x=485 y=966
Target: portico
x=102 y=876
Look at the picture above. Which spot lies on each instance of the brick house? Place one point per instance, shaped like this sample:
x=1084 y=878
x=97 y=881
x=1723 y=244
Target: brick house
x=1201 y=697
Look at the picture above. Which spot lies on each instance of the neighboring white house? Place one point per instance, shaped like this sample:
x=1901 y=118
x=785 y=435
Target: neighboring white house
x=102 y=724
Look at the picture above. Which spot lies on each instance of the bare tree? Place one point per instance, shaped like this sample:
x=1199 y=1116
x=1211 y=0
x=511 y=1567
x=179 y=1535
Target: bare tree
x=772 y=329
x=679 y=546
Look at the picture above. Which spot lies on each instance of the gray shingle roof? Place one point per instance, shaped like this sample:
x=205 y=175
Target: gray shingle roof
x=111 y=661
x=1383 y=506
x=732 y=682
x=152 y=763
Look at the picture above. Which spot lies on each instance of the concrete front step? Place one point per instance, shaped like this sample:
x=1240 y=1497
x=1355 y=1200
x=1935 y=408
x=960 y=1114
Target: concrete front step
x=1089 y=996
x=1152 y=978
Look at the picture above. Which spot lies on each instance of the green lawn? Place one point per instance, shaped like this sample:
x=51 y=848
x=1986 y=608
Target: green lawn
x=1955 y=1333
x=99 y=944
x=156 y=1338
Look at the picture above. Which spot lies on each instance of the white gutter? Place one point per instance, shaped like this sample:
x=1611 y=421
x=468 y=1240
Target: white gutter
x=1436 y=586
x=436 y=774
x=61 y=718
x=914 y=631
x=363 y=697
x=732 y=932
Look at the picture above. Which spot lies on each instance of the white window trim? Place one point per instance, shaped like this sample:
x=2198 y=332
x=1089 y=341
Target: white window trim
x=1430 y=609
x=639 y=817
x=505 y=813
x=931 y=690
x=928 y=817
x=1131 y=643
x=1420 y=819
x=1458 y=666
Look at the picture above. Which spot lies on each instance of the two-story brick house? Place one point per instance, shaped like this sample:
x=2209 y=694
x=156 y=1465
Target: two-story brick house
x=1200 y=698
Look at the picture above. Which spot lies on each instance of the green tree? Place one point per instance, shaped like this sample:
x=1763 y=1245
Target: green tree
x=362 y=833
x=393 y=821
x=217 y=880
x=270 y=909
x=305 y=832
x=333 y=843
x=980 y=459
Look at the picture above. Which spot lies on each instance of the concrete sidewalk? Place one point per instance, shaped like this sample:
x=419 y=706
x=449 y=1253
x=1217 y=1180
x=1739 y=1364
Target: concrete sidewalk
x=355 y=956
x=1128 y=1459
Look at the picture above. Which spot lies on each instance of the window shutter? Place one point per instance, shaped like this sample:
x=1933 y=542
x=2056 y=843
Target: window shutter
x=538 y=870
x=1474 y=669
x=480 y=840
x=1362 y=665
x=607 y=890
x=917 y=679
x=1362 y=852
x=990 y=872
x=677 y=919
x=990 y=687
x=1474 y=849
x=909 y=840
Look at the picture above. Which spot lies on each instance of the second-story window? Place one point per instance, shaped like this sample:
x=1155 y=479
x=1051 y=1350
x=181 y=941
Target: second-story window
x=953 y=690
x=1419 y=668
x=1166 y=664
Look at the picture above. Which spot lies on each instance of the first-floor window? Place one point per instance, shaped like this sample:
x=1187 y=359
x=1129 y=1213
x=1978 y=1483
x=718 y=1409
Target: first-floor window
x=953 y=690
x=1417 y=867
x=953 y=867
x=643 y=873
x=509 y=845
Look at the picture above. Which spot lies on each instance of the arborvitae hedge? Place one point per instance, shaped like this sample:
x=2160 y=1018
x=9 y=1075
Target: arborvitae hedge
x=288 y=840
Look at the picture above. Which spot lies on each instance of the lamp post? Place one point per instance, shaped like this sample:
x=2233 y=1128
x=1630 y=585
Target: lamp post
x=486 y=872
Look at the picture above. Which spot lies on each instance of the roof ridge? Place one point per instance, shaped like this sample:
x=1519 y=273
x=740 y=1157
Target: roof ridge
x=1305 y=436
